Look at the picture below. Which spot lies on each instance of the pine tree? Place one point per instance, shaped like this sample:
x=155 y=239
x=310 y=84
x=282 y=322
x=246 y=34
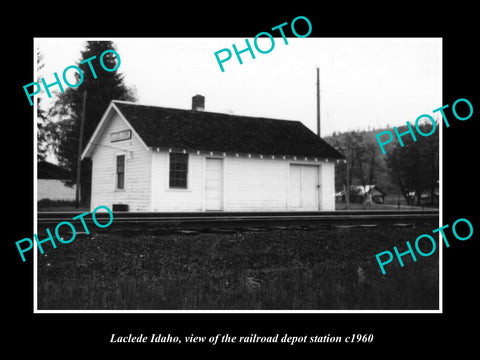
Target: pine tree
x=68 y=106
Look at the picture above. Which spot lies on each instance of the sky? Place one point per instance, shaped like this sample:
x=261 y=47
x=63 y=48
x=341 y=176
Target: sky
x=364 y=82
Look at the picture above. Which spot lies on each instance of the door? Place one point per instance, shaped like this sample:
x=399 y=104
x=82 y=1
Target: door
x=309 y=189
x=213 y=184
x=303 y=187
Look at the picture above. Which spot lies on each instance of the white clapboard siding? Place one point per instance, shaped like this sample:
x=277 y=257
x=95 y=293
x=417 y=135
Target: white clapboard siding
x=255 y=184
x=303 y=191
x=165 y=199
x=137 y=170
x=214 y=184
x=327 y=186
x=249 y=184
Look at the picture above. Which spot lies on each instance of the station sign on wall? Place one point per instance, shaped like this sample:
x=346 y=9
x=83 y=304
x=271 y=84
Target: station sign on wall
x=121 y=135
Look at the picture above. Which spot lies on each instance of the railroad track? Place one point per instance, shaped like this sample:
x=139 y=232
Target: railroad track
x=247 y=221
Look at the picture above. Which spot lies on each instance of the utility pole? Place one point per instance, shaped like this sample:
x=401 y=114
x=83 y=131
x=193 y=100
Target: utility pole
x=318 y=102
x=79 y=160
x=347 y=190
x=346 y=186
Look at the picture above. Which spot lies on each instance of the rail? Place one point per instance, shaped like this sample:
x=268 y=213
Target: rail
x=250 y=220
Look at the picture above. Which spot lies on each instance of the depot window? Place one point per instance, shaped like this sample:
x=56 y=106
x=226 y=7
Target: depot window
x=120 y=183
x=178 y=170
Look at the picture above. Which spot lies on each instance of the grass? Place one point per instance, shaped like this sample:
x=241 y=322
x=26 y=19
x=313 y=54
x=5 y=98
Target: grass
x=388 y=205
x=278 y=269
x=59 y=205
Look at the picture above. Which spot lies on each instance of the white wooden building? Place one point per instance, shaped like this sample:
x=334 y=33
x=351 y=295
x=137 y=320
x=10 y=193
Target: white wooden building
x=149 y=158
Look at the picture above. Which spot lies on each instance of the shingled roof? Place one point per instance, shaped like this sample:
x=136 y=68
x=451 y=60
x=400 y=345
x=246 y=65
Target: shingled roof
x=208 y=131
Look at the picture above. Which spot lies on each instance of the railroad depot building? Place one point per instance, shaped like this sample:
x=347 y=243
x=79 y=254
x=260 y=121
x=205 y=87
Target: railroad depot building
x=148 y=158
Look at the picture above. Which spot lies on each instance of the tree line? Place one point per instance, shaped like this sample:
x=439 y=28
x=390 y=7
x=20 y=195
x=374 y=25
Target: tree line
x=412 y=170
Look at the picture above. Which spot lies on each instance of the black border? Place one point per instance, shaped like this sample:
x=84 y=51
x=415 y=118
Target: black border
x=407 y=334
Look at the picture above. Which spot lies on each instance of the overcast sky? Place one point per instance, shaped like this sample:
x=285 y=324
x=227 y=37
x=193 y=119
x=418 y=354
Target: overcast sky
x=365 y=82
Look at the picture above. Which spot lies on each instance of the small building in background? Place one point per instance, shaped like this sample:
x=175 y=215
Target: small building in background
x=363 y=194
x=51 y=183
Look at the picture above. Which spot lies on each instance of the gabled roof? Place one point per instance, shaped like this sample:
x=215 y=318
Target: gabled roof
x=208 y=131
